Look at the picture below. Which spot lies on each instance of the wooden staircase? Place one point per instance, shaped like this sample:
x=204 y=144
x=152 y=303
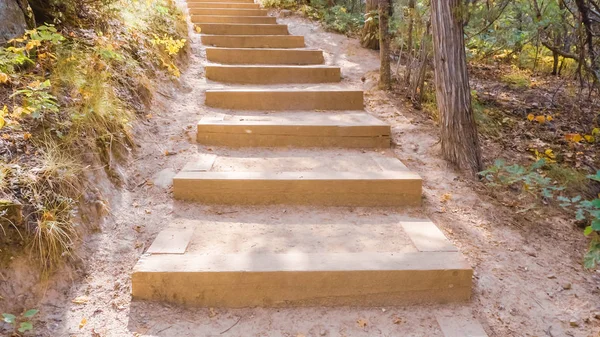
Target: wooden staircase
x=273 y=95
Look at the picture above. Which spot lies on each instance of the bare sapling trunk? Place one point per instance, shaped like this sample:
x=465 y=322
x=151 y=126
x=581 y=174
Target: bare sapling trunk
x=459 y=139
x=409 y=43
x=385 y=73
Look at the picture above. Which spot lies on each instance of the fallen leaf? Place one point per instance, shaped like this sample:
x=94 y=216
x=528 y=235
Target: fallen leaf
x=397 y=320
x=82 y=323
x=589 y=138
x=573 y=137
x=3 y=77
x=27 y=136
x=531 y=117
x=361 y=323
x=540 y=119
x=212 y=313
x=549 y=118
x=149 y=116
x=446 y=197
x=198 y=29
x=81 y=300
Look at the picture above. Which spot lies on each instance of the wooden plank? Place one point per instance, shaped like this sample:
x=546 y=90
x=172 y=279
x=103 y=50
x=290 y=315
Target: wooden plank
x=171 y=241
x=427 y=237
x=264 y=56
x=228 y=11
x=233 y=19
x=285 y=99
x=204 y=163
x=300 y=279
x=243 y=29
x=254 y=41
x=305 y=188
x=266 y=74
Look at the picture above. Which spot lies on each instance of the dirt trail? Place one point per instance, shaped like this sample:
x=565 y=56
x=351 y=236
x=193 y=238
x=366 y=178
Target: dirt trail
x=528 y=276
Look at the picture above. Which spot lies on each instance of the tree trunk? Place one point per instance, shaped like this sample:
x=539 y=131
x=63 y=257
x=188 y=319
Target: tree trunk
x=385 y=73
x=369 y=37
x=409 y=43
x=459 y=139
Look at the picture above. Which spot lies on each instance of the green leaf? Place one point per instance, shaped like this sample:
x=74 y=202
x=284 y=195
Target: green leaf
x=596 y=224
x=9 y=318
x=588 y=230
x=595 y=177
x=30 y=313
x=26 y=326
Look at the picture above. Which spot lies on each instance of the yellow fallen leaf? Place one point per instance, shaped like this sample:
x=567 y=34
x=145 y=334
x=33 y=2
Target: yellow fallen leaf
x=549 y=153
x=212 y=313
x=573 y=137
x=589 y=138
x=549 y=118
x=27 y=136
x=81 y=300
x=3 y=113
x=198 y=29
x=530 y=117
x=540 y=119
x=445 y=197
x=362 y=323
x=595 y=131
x=3 y=77
x=82 y=323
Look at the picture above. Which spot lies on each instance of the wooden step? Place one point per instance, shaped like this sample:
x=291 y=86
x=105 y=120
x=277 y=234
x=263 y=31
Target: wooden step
x=307 y=260
x=228 y=11
x=243 y=29
x=264 y=74
x=264 y=56
x=302 y=279
x=290 y=99
x=233 y=19
x=239 y=5
x=343 y=180
x=305 y=129
x=226 y=1
x=254 y=41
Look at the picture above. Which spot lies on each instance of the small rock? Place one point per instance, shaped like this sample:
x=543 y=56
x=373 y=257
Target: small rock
x=551 y=276
x=567 y=286
x=285 y=13
x=574 y=323
x=323 y=333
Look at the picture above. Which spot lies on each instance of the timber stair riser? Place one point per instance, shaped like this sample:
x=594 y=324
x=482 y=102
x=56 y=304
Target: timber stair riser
x=272 y=75
x=216 y=5
x=308 y=130
x=197 y=19
x=264 y=56
x=283 y=280
x=228 y=11
x=285 y=100
x=219 y=1
x=300 y=188
x=243 y=29
x=254 y=41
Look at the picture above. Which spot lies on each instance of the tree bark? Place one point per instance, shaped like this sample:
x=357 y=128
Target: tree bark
x=459 y=139
x=385 y=73
x=369 y=37
x=409 y=43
